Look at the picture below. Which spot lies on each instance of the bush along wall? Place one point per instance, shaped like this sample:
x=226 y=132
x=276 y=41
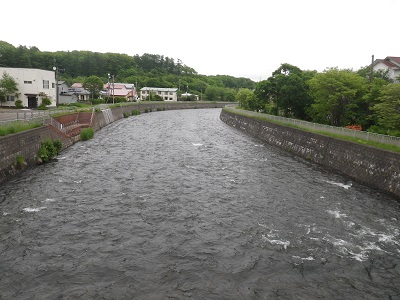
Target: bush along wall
x=48 y=150
x=20 y=151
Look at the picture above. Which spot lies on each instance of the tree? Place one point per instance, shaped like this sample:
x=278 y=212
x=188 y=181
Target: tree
x=338 y=97
x=8 y=86
x=371 y=98
x=388 y=107
x=365 y=72
x=211 y=93
x=244 y=97
x=286 y=91
x=93 y=84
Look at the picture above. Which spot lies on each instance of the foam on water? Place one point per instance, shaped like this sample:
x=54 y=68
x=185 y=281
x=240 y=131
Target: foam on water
x=284 y=244
x=34 y=209
x=345 y=186
x=336 y=213
x=47 y=200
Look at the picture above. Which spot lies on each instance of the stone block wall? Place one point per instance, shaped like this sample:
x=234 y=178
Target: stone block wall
x=373 y=167
x=27 y=144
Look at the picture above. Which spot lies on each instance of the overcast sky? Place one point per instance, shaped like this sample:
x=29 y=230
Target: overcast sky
x=228 y=37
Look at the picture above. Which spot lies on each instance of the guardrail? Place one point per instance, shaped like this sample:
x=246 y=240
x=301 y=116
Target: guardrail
x=26 y=116
x=363 y=135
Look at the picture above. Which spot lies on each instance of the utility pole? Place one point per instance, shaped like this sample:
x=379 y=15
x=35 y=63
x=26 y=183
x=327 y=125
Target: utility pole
x=112 y=87
x=56 y=79
x=371 y=75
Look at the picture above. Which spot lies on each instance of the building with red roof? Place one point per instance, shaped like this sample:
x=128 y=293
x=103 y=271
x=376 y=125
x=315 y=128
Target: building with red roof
x=390 y=64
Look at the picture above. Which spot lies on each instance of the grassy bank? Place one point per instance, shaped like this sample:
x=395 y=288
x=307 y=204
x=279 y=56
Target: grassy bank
x=18 y=126
x=262 y=117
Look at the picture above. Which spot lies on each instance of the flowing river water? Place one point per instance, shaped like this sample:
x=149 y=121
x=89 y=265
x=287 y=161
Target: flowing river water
x=178 y=205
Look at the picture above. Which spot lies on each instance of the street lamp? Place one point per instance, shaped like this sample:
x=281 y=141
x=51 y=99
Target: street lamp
x=56 y=70
x=111 y=77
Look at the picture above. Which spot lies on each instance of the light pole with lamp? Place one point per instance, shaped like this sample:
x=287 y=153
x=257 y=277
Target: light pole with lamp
x=112 y=89
x=56 y=74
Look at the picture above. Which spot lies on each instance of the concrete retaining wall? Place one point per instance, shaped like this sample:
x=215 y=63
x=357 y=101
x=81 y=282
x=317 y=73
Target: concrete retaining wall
x=26 y=144
x=373 y=167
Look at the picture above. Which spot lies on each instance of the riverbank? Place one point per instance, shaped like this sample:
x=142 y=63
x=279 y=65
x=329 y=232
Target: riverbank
x=26 y=144
x=372 y=167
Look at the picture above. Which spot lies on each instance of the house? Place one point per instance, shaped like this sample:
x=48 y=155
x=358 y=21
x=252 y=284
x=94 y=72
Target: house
x=74 y=93
x=189 y=97
x=167 y=94
x=33 y=86
x=390 y=63
x=125 y=90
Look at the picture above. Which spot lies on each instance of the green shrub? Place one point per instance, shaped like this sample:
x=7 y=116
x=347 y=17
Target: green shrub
x=97 y=101
x=135 y=112
x=46 y=102
x=126 y=114
x=87 y=134
x=119 y=99
x=58 y=145
x=18 y=104
x=47 y=150
x=77 y=104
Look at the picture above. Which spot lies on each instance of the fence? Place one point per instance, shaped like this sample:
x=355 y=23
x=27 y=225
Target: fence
x=27 y=116
x=362 y=135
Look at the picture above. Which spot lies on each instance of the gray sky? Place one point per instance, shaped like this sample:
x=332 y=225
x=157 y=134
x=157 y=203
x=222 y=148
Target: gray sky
x=228 y=37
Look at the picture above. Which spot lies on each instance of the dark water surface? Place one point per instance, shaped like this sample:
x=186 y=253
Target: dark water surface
x=178 y=205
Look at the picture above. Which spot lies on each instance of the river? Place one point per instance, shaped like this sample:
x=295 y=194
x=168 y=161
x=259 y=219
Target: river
x=178 y=205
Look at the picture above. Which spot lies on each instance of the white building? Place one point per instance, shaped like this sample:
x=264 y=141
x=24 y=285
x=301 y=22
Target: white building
x=33 y=85
x=167 y=94
x=390 y=63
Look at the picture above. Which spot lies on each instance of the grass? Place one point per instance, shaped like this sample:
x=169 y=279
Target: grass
x=18 y=126
x=87 y=134
x=374 y=144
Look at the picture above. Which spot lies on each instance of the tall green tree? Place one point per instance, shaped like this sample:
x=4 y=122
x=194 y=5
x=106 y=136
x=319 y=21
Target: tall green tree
x=388 y=107
x=286 y=91
x=8 y=86
x=371 y=98
x=93 y=84
x=245 y=97
x=338 y=96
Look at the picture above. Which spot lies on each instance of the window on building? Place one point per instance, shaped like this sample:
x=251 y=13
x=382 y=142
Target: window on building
x=10 y=98
x=53 y=85
x=28 y=81
x=46 y=84
x=159 y=93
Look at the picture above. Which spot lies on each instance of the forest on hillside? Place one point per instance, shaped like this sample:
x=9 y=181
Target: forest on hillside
x=151 y=70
